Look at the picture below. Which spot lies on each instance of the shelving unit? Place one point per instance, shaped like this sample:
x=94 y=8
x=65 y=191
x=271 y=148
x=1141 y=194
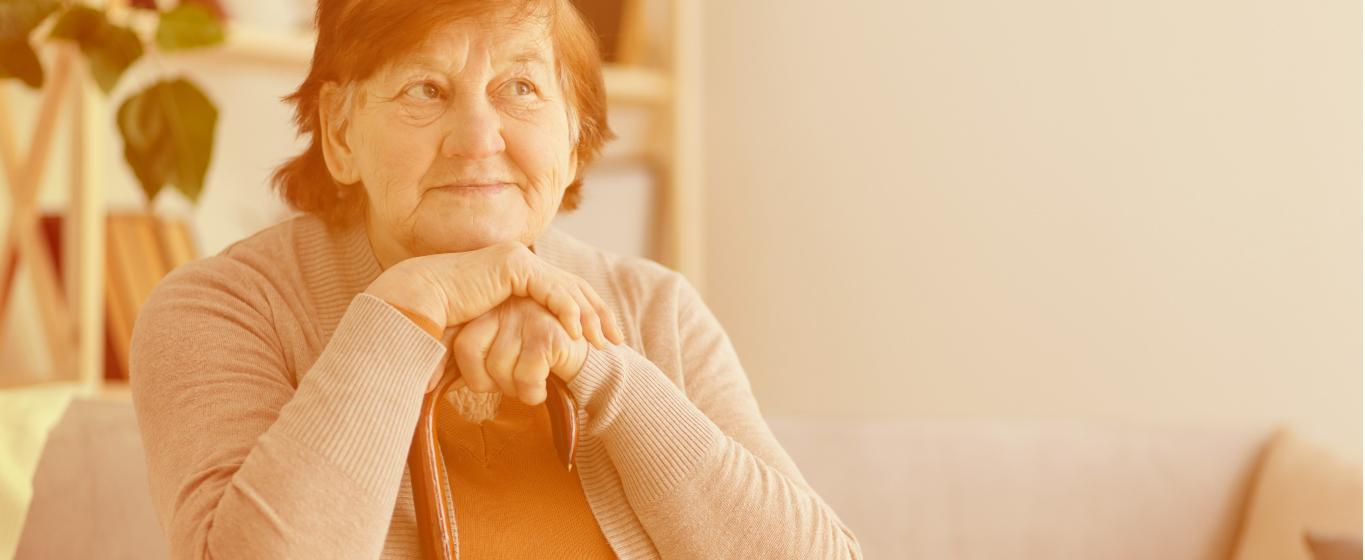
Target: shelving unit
x=673 y=92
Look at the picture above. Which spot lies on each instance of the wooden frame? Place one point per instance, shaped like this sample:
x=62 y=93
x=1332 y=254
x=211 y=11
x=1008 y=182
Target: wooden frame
x=66 y=327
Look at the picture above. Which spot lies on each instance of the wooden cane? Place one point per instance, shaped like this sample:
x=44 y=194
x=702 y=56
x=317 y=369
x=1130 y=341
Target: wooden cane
x=432 y=503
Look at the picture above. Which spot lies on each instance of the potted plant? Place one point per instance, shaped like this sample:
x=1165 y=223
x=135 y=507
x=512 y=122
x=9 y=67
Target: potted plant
x=166 y=127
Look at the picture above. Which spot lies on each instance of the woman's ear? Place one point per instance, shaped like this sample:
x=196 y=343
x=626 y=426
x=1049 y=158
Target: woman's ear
x=573 y=142
x=334 y=123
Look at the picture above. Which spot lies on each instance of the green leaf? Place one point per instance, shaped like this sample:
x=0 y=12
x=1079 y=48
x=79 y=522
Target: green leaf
x=19 y=61
x=110 y=48
x=144 y=141
x=167 y=134
x=188 y=26
x=192 y=134
x=111 y=54
x=17 y=20
x=19 y=17
x=79 y=24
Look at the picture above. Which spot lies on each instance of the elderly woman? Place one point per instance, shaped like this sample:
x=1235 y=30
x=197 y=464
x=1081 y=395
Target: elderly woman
x=278 y=383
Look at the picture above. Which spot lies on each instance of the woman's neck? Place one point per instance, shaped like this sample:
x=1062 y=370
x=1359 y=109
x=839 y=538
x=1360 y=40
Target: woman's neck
x=386 y=250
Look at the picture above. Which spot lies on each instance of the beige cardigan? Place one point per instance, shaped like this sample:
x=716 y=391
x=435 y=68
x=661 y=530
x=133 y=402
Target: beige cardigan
x=277 y=403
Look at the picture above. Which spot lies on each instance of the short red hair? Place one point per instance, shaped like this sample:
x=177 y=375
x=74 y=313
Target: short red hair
x=357 y=37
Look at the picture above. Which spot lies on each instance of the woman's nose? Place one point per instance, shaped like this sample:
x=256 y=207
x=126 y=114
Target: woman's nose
x=473 y=129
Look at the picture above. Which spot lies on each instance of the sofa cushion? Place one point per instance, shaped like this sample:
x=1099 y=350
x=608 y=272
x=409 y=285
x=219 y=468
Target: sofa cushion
x=90 y=494
x=987 y=490
x=27 y=415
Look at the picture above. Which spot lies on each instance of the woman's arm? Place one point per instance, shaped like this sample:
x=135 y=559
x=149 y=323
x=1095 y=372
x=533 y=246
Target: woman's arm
x=241 y=463
x=702 y=470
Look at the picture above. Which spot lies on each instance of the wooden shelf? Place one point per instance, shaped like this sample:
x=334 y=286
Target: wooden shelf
x=633 y=84
x=114 y=390
x=269 y=45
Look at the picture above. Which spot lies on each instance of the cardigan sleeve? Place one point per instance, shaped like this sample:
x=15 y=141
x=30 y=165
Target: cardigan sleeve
x=701 y=469
x=244 y=464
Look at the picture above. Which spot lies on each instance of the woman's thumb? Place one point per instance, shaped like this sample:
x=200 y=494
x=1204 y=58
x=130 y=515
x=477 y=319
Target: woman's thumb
x=445 y=365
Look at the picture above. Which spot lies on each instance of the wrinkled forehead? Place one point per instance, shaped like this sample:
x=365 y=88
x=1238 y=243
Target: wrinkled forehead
x=475 y=42
x=461 y=42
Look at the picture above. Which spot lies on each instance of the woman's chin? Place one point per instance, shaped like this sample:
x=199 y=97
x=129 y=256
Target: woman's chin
x=453 y=238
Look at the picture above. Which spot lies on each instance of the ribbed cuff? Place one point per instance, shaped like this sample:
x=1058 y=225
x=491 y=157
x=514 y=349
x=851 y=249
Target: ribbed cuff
x=655 y=436
x=358 y=404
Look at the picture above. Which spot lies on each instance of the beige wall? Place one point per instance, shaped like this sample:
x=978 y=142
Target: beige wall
x=1132 y=211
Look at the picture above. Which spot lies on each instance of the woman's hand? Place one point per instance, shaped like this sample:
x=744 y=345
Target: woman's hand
x=514 y=348
x=454 y=288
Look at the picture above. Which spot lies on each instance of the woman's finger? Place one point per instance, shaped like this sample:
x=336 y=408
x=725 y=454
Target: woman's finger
x=531 y=372
x=502 y=356
x=548 y=288
x=606 y=317
x=471 y=349
x=592 y=324
x=448 y=341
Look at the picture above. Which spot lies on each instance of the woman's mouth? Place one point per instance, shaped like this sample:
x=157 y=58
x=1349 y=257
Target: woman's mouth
x=474 y=189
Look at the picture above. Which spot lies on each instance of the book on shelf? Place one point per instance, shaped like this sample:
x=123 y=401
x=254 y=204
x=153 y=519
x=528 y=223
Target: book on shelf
x=140 y=250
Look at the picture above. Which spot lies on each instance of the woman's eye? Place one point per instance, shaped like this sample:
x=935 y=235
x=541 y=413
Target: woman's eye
x=425 y=91
x=520 y=87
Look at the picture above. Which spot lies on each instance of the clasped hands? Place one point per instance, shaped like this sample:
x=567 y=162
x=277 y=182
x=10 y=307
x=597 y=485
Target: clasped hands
x=515 y=347
x=510 y=318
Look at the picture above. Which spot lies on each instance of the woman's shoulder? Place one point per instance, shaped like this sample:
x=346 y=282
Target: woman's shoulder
x=245 y=287
x=259 y=256
x=635 y=277
x=252 y=271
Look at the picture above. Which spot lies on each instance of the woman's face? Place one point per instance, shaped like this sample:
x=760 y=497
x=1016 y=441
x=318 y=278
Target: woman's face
x=477 y=104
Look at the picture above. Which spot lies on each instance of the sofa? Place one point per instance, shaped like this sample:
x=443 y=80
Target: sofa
x=909 y=489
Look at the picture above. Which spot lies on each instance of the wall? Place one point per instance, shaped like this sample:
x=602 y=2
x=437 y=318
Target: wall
x=1127 y=212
